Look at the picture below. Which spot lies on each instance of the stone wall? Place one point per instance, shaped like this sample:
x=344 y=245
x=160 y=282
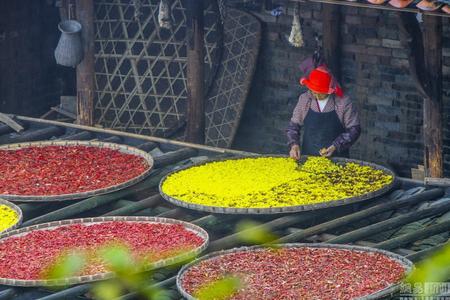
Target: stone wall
x=375 y=75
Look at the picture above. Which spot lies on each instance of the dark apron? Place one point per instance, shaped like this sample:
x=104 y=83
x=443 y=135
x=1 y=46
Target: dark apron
x=320 y=130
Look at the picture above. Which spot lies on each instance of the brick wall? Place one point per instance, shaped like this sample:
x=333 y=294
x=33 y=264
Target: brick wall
x=375 y=75
x=30 y=80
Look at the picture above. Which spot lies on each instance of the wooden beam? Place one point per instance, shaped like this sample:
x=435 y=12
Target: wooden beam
x=411 y=40
x=432 y=118
x=85 y=70
x=425 y=64
x=195 y=127
x=331 y=38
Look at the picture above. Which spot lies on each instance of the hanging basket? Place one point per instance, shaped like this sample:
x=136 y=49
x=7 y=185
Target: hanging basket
x=69 y=51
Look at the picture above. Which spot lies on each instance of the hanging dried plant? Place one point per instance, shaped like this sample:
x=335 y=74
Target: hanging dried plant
x=137 y=8
x=165 y=14
x=296 y=36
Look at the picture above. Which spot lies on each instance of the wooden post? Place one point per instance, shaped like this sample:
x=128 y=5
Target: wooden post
x=195 y=129
x=432 y=118
x=85 y=70
x=331 y=38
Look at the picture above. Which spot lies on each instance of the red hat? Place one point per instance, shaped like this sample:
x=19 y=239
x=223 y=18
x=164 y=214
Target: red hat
x=321 y=81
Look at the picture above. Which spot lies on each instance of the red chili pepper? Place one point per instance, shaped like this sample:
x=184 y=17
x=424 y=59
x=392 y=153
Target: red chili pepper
x=56 y=170
x=28 y=256
x=298 y=273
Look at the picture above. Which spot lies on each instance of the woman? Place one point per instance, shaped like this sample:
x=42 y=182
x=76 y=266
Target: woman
x=330 y=122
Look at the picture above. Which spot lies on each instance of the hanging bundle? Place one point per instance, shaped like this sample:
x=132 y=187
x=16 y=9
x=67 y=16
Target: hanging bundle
x=296 y=36
x=222 y=9
x=165 y=14
x=137 y=9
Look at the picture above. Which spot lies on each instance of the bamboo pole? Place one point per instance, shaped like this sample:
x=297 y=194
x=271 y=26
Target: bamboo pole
x=85 y=70
x=195 y=129
x=137 y=136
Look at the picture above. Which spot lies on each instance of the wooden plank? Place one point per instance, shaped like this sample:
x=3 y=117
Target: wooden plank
x=432 y=117
x=7 y=120
x=331 y=15
x=195 y=128
x=85 y=70
x=441 y=182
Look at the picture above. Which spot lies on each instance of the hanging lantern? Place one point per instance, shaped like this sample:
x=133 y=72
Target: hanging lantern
x=296 y=36
x=165 y=14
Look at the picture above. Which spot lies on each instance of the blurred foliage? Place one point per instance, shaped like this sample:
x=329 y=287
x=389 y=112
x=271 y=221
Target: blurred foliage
x=220 y=289
x=255 y=233
x=434 y=269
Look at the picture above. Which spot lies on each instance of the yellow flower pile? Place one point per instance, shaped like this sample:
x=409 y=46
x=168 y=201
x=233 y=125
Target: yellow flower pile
x=272 y=182
x=8 y=217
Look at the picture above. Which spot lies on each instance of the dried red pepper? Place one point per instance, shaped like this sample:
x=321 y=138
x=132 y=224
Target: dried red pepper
x=27 y=257
x=298 y=273
x=58 y=170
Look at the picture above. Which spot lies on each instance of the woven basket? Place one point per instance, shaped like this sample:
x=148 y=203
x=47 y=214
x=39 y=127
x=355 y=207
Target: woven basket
x=17 y=210
x=102 y=276
x=285 y=209
x=389 y=291
x=48 y=198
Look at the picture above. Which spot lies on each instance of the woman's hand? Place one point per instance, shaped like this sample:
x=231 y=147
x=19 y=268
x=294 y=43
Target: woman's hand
x=328 y=151
x=295 y=152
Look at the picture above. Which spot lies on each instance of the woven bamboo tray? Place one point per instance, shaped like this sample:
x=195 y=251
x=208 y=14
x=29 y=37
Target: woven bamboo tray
x=102 y=276
x=388 y=291
x=17 y=210
x=285 y=209
x=74 y=196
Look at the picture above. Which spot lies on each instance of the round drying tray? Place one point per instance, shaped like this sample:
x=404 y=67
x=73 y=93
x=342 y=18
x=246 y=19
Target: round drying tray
x=17 y=210
x=75 y=196
x=102 y=276
x=390 y=290
x=283 y=209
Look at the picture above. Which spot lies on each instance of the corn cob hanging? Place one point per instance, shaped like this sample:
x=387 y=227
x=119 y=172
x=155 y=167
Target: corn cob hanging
x=296 y=36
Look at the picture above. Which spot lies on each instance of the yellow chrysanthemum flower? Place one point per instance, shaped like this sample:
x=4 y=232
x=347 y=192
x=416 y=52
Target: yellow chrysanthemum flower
x=272 y=182
x=8 y=217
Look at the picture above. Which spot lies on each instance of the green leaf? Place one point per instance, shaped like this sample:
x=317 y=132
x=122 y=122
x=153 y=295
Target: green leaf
x=67 y=265
x=219 y=290
x=254 y=233
x=435 y=268
x=107 y=290
x=118 y=258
